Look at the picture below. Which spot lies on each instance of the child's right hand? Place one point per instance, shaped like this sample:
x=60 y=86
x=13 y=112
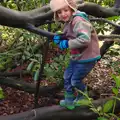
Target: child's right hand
x=56 y=39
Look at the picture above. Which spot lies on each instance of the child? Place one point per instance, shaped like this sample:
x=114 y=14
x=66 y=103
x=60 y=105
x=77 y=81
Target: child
x=83 y=44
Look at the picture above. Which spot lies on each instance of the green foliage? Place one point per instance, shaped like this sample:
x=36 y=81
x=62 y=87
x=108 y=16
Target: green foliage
x=22 y=45
x=106 y=111
x=108 y=106
x=102 y=27
x=36 y=75
x=54 y=71
x=103 y=2
x=1 y=94
x=23 y=4
x=114 y=62
x=102 y=118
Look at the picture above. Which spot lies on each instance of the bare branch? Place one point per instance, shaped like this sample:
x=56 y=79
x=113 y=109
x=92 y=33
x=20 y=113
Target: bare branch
x=104 y=20
x=111 y=37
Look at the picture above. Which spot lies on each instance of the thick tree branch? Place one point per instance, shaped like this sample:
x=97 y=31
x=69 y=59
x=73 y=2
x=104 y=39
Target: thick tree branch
x=60 y=113
x=98 y=11
x=17 y=73
x=13 y=18
x=39 y=16
x=111 y=37
x=27 y=87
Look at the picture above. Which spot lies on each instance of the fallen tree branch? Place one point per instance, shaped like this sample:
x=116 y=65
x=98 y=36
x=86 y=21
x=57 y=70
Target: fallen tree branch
x=57 y=112
x=29 y=87
x=13 y=74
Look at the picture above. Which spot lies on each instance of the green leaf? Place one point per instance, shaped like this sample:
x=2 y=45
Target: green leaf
x=84 y=102
x=113 y=115
x=99 y=108
x=56 y=59
x=34 y=60
x=30 y=66
x=1 y=67
x=113 y=18
x=1 y=96
x=27 y=53
x=117 y=80
x=115 y=90
x=94 y=110
x=38 y=55
x=116 y=97
x=61 y=58
x=101 y=118
x=108 y=106
x=23 y=57
x=55 y=64
x=1 y=93
x=36 y=76
x=20 y=43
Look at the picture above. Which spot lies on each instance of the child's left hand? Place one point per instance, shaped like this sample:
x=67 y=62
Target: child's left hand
x=63 y=44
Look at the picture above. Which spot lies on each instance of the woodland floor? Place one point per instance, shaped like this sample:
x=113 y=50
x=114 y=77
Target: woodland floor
x=99 y=80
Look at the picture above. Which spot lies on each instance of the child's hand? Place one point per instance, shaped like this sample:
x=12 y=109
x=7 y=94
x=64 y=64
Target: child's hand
x=56 y=39
x=63 y=44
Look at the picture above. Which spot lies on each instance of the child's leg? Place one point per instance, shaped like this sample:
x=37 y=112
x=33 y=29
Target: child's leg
x=69 y=96
x=80 y=72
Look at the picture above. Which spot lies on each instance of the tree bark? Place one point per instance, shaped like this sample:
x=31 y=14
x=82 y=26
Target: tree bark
x=13 y=74
x=27 y=87
x=117 y=4
x=60 y=113
x=39 y=16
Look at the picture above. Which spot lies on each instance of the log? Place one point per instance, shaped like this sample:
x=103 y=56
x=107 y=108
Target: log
x=60 y=113
x=29 y=87
x=17 y=73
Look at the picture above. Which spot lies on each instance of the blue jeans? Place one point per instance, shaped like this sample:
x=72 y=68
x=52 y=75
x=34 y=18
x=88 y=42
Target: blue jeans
x=75 y=73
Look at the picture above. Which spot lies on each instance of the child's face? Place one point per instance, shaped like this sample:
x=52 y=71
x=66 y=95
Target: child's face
x=65 y=13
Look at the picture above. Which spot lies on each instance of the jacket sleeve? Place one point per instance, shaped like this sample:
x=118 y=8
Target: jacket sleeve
x=82 y=30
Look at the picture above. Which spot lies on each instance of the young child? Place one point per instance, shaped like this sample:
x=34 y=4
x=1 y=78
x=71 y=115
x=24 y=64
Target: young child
x=83 y=44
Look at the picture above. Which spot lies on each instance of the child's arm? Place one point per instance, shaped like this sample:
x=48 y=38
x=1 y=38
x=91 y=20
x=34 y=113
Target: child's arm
x=82 y=29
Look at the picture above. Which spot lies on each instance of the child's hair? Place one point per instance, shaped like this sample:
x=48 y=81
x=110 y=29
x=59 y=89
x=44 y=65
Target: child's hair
x=55 y=5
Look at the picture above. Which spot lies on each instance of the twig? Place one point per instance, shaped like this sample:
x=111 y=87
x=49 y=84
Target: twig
x=112 y=37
